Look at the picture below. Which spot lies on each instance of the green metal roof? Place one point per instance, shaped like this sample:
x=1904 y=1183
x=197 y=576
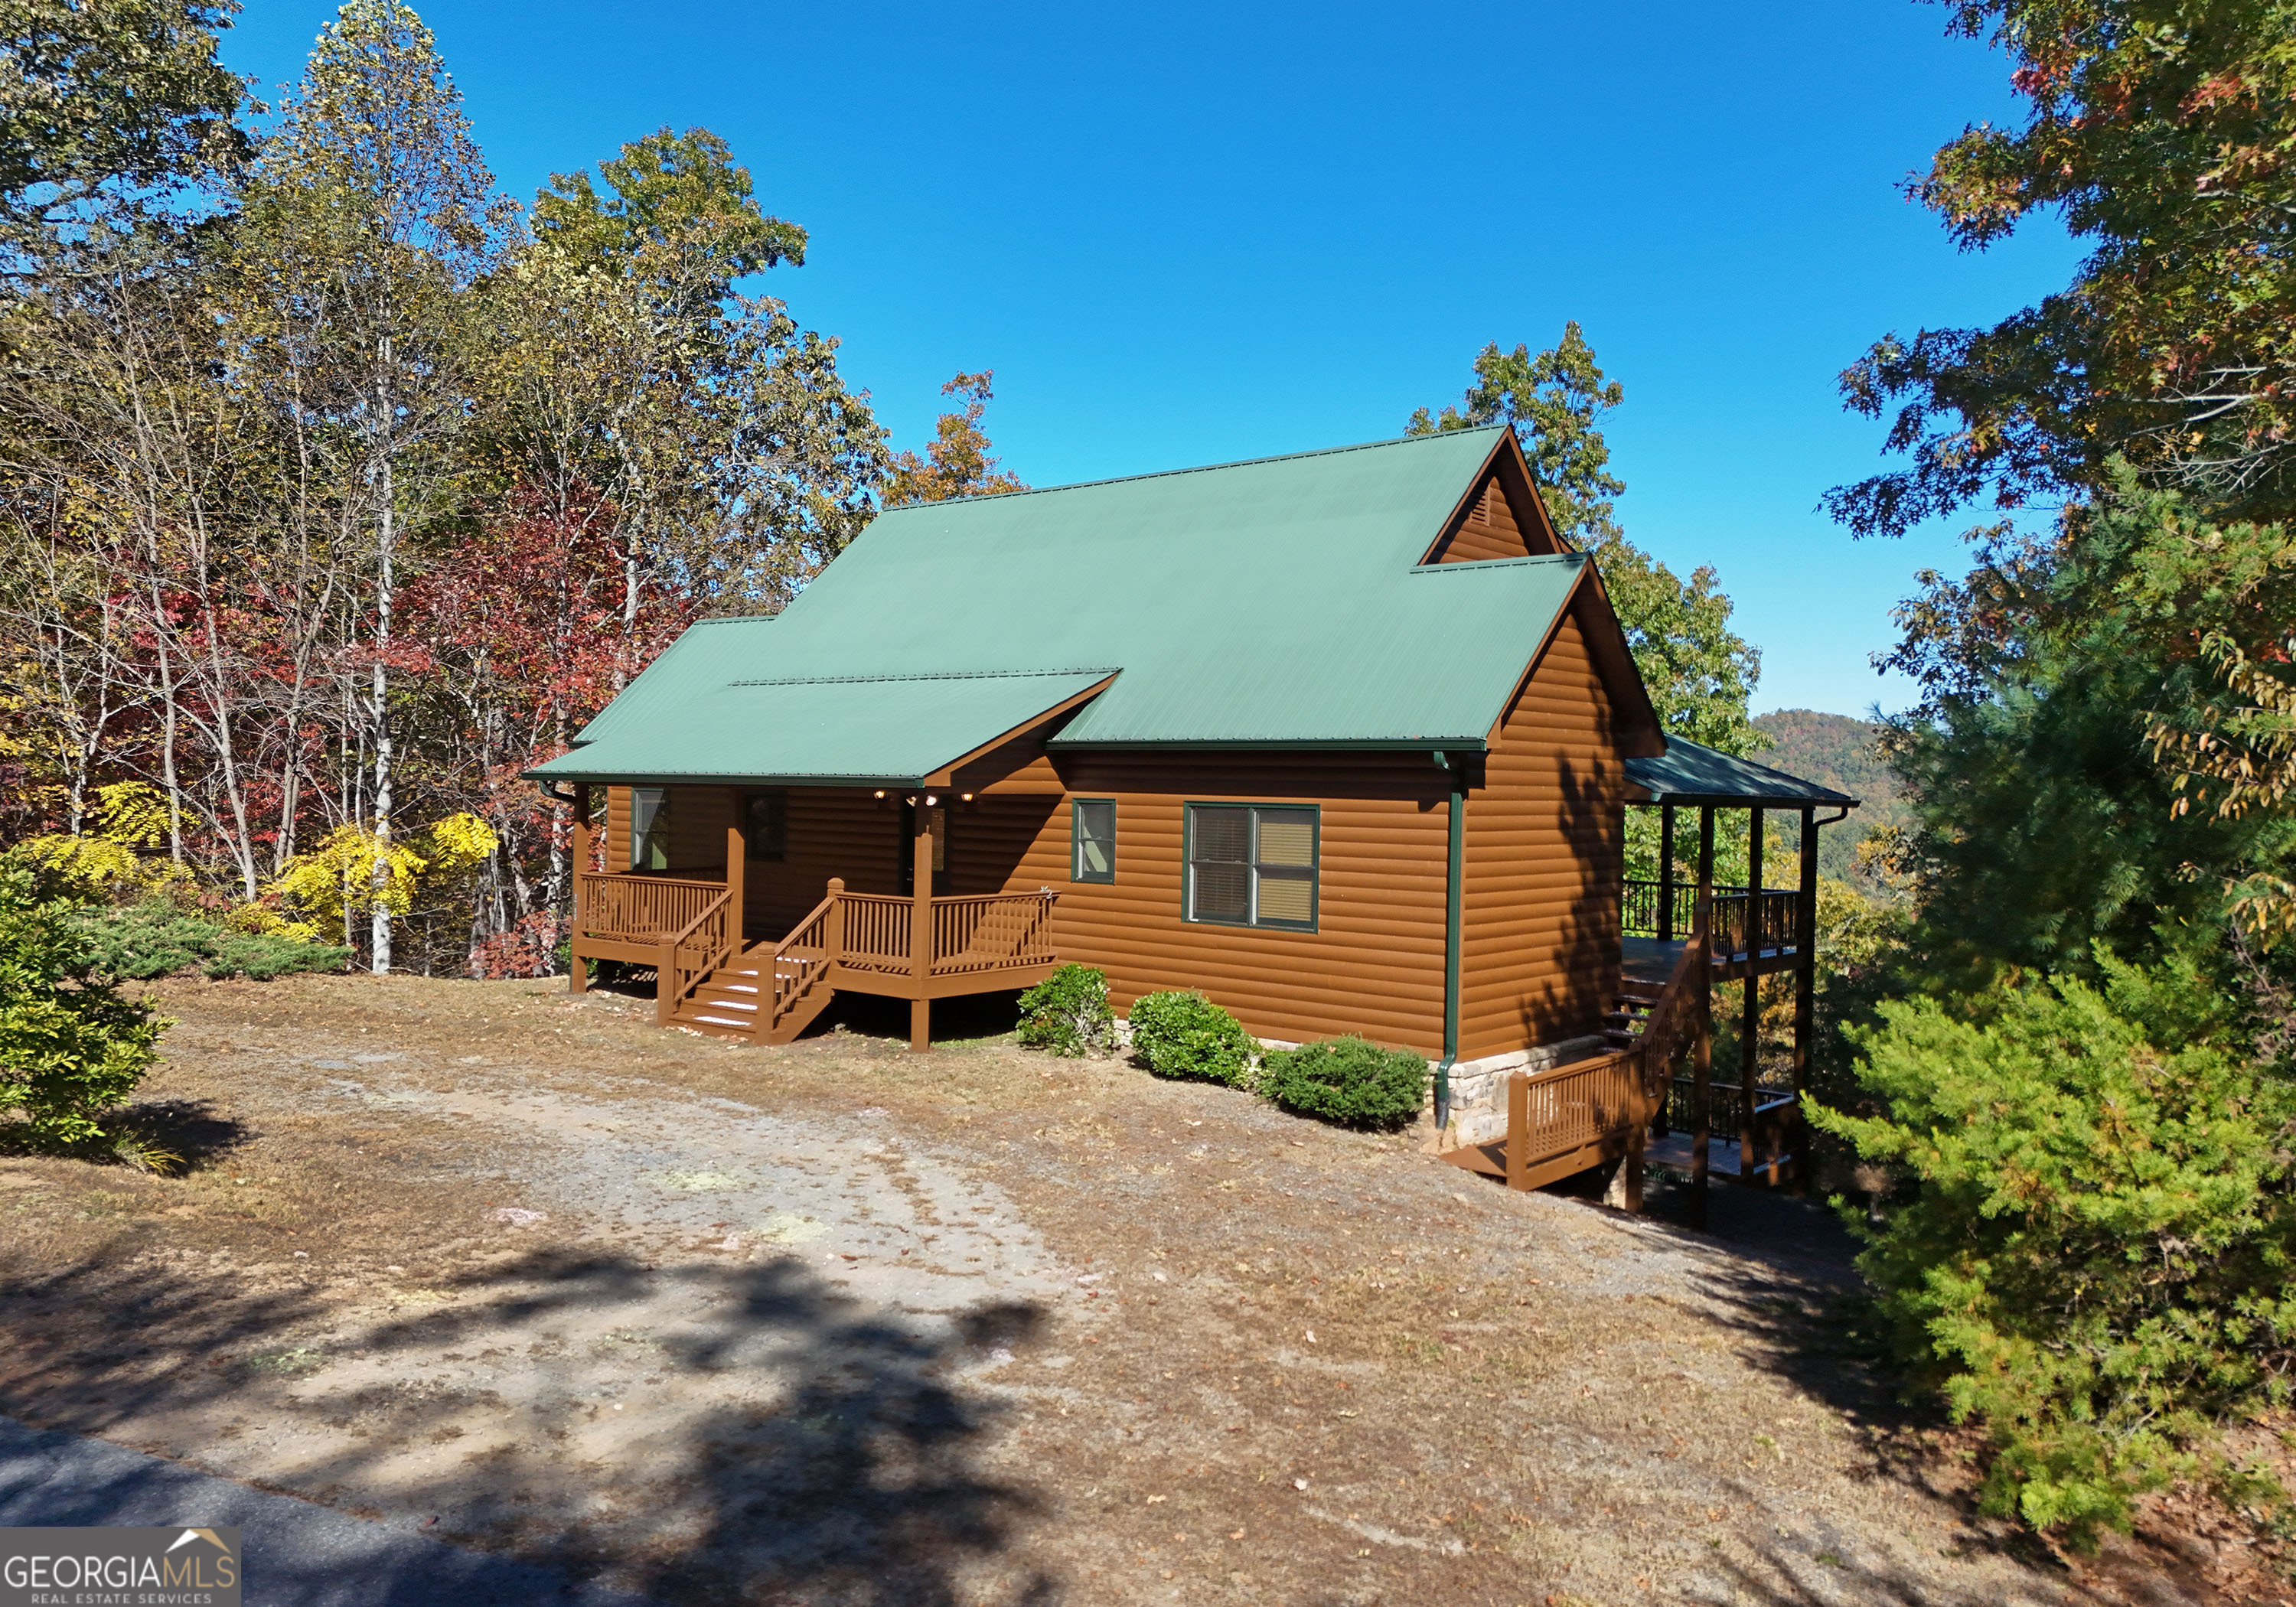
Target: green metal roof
x=1691 y=773
x=855 y=729
x=1279 y=601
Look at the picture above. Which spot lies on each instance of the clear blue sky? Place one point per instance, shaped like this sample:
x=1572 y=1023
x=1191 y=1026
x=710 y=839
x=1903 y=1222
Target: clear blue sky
x=1190 y=234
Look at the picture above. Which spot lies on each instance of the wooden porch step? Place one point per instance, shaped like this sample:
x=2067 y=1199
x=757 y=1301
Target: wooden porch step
x=732 y=1003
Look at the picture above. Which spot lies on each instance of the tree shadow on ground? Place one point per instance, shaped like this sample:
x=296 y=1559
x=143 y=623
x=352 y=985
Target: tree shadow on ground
x=838 y=1460
x=194 y=1130
x=1779 y=1272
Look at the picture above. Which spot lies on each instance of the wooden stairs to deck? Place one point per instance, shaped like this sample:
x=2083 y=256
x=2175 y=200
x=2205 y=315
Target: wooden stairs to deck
x=1629 y=1017
x=735 y=1001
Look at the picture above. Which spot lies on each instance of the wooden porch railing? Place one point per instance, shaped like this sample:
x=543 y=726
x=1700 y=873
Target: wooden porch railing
x=692 y=929
x=1570 y=1109
x=877 y=932
x=689 y=958
x=991 y=931
x=1671 y=1026
x=802 y=959
x=641 y=910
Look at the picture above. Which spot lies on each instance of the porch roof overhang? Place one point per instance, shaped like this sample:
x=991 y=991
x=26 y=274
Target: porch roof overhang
x=1691 y=773
x=825 y=731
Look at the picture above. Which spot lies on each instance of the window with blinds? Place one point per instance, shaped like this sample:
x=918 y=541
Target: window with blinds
x=1250 y=865
x=1092 y=840
x=648 y=828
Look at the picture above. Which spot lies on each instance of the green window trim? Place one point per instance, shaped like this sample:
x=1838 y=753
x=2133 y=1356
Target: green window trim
x=1092 y=840
x=1264 y=869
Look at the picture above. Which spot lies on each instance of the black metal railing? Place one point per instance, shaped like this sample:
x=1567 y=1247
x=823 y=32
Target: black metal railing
x=1772 y=914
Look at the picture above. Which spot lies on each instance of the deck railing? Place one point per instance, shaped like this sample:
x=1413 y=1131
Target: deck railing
x=641 y=909
x=1751 y=925
x=1638 y=906
x=877 y=932
x=689 y=956
x=693 y=926
x=800 y=960
x=1571 y=1108
x=1773 y=914
x=989 y=931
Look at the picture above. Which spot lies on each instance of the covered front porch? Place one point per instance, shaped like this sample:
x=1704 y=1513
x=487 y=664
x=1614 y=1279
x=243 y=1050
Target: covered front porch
x=727 y=957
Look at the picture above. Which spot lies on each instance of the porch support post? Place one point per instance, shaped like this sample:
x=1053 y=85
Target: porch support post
x=1701 y=1115
x=737 y=871
x=920 y=925
x=577 y=968
x=832 y=935
x=1751 y=1021
x=1666 y=872
x=1805 y=990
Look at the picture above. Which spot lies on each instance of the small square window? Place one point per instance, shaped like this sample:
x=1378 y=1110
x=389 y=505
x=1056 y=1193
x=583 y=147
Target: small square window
x=1092 y=852
x=648 y=828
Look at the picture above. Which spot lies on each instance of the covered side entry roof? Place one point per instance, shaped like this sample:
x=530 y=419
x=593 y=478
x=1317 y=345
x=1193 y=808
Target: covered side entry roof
x=1691 y=773
x=1271 y=604
x=822 y=731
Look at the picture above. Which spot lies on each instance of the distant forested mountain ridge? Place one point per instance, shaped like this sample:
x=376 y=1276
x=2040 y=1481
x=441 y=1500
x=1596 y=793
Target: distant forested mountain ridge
x=1835 y=750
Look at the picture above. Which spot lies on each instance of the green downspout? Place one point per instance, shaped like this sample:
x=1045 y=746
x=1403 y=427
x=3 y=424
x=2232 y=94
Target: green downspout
x=1451 y=937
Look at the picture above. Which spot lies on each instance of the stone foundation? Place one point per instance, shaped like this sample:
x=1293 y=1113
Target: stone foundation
x=1479 y=1103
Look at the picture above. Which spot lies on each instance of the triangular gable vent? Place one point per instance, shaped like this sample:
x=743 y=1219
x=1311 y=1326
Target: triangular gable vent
x=1490 y=529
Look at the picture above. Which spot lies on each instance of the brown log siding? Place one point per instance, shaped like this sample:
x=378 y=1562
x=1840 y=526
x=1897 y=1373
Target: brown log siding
x=1375 y=963
x=1544 y=861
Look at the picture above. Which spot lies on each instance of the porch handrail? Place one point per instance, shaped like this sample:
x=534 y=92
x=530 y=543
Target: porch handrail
x=1672 y=1022
x=689 y=958
x=642 y=909
x=1554 y=1112
x=801 y=959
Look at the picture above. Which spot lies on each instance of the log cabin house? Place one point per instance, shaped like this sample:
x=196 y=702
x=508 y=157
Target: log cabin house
x=1343 y=739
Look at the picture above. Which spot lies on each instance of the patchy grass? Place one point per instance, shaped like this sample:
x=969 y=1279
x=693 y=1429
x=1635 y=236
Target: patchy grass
x=840 y=1323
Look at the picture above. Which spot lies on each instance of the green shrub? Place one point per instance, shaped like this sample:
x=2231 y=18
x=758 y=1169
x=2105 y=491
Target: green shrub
x=1185 y=1035
x=72 y=1049
x=1349 y=1081
x=1068 y=1012
x=2094 y=1266
x=142 y=941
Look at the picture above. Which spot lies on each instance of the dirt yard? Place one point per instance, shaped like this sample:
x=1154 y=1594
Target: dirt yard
x=842 y=1324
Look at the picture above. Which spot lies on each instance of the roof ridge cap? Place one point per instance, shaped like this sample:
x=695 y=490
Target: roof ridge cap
x=1241 y=462
x=931 y=675
x=1469 y=565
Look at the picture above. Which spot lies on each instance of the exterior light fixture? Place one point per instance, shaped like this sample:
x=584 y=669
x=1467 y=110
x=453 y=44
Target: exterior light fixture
x=931 y=801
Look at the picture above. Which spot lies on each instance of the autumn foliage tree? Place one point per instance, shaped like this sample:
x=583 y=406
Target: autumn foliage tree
x=957 y=461
x=336 y=488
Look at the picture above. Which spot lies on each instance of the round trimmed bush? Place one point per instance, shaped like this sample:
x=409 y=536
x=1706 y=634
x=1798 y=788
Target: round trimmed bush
x=1185 y=1035
x=1068 y=1012
x=1349 y=1081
